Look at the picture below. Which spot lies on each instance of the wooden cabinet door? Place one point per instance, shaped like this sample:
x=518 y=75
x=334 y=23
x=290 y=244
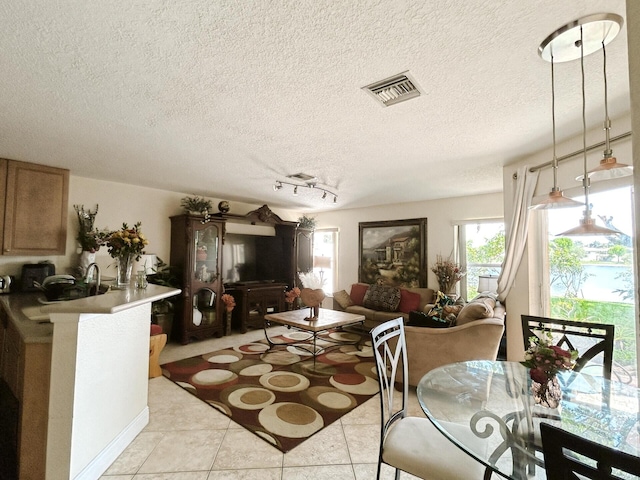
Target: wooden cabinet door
x=35 y=219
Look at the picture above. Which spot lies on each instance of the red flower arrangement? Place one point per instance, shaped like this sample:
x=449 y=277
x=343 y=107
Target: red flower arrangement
x=291 y=295
x=545 y=360
x=229 y=301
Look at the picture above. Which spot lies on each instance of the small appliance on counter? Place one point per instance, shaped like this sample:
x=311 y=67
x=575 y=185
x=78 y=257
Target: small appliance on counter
x=35 y=272
x=5 y=283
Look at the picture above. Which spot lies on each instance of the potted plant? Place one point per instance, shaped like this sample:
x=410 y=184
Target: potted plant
x=162 y=310
x=196 y=205
x=306 y=222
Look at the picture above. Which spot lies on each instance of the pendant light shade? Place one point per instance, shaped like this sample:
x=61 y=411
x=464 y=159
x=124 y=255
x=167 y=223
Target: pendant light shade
x=555 y=198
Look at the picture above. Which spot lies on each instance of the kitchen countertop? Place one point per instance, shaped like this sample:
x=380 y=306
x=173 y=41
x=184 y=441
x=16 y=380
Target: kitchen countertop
x=38 y=329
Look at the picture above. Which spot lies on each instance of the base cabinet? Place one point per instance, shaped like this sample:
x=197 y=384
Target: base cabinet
x=25 y=370
x=255 y=301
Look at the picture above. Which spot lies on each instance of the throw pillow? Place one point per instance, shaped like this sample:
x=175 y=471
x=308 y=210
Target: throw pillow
x=343 y=299
x=441 y=301
x=409 y=301
x=382 y=297
x=475 y=310
x=358 y=291
x=421 y=319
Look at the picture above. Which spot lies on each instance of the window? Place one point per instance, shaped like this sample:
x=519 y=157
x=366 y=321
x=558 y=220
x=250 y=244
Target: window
x=325 y=257
x=481 y=253
x=591 y=278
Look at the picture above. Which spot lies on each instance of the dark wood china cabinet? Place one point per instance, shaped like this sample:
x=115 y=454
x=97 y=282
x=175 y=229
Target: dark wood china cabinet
x=253 y=257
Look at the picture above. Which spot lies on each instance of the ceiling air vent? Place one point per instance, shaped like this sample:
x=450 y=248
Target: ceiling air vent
x=303 y=177
x=394 y=89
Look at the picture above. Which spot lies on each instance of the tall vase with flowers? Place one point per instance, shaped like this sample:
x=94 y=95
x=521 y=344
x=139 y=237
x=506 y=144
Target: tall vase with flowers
x=126 y=245
x=89 y=238
x=545 y=361
x=448 y=273
x=229 y=304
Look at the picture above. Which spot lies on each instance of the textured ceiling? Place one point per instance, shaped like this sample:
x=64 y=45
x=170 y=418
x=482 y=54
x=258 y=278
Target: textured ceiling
x=223 y=98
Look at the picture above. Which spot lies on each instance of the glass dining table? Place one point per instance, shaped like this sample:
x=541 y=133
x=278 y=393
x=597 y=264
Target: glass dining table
x=494 y=401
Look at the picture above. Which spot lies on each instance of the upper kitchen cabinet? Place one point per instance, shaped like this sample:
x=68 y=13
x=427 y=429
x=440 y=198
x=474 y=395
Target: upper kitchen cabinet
x=35 y=208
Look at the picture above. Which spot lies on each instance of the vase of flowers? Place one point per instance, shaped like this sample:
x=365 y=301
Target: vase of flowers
x=229 y=304
x=544 y=361
x=291 y=297
x=89 y=238
x=448 y=273
x=126 y=245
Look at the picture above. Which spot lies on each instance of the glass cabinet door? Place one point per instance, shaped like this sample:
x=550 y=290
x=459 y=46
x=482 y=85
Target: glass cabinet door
x=206 y=254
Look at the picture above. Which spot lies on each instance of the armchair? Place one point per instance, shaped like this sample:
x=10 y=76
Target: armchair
x=429 y=348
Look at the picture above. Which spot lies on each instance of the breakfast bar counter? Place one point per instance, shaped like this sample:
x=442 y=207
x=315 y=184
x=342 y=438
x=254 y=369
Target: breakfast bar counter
x=96 y=370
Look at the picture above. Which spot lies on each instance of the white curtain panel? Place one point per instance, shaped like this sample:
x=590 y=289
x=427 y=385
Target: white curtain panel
x=517 y=236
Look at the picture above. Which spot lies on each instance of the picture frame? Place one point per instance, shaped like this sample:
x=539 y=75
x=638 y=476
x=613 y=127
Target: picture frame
x=393 y=252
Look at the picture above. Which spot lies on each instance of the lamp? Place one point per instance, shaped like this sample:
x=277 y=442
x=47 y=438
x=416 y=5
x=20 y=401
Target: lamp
x=589 y=34
x=309 y=184
x=555 y=198
x=321 y=262
x=609 y=166
x=488 y=283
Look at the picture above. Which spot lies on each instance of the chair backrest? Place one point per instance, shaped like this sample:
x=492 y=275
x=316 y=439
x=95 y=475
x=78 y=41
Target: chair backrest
x=566 y=455
x=589 y=339
x=390 y=352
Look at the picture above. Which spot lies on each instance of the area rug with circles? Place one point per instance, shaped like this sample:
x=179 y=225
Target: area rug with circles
x=282 y=394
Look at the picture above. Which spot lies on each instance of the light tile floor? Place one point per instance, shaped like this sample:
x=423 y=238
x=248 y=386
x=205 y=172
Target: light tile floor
x=188 y=440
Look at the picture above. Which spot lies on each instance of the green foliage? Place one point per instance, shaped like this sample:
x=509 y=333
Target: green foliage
x=622 y=315
x=492 y=251
x=566 y=269
x=617 y=251
x=196 y=204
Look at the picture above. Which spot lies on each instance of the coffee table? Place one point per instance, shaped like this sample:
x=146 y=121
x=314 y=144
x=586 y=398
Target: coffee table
x=326 y=320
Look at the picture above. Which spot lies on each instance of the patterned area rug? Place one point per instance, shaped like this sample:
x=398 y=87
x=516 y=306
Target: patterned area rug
x=282 y=394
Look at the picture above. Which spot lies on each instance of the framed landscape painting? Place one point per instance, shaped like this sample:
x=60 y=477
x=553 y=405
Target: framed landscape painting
x=394 y=253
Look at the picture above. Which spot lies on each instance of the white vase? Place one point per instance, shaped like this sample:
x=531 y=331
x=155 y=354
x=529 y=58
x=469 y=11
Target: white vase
x=86 y=259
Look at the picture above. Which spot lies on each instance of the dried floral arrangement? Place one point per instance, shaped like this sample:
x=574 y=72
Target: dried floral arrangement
x=89 y=238
x=448 y=273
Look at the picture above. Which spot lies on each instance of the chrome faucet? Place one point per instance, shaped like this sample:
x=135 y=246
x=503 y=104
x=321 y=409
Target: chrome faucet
x=88 y=276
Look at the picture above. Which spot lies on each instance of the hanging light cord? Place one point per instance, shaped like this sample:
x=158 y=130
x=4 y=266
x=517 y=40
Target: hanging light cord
x=553 y=123
x=607 y=122
x=585 y=180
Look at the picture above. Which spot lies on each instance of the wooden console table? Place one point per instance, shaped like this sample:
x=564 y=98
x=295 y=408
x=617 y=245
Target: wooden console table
x=254 y=301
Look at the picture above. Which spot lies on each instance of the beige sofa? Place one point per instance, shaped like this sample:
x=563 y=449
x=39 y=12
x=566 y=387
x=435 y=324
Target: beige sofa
x=476 y=335
x=376 y=317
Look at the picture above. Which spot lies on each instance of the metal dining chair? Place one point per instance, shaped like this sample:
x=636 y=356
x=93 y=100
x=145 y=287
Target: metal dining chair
x=568 y=456
x=413 y=444
x=591 y=340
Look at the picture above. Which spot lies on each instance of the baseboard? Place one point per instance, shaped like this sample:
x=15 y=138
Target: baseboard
x=111 y=452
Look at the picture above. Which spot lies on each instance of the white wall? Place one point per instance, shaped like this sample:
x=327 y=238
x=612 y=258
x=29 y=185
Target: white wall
x=120 y=203
x=441 y=216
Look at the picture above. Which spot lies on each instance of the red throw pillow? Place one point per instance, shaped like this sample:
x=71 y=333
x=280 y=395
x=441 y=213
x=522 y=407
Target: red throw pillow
x=409 y=301
x=357 y=293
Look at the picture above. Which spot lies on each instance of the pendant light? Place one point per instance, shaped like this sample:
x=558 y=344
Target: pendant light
x=555 y=198
x=609 y=166
x=587 y=224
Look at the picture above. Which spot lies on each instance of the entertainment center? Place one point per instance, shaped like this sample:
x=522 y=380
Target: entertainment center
x=253 y=257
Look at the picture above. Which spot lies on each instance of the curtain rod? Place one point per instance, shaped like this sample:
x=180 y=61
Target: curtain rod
x=579 y=152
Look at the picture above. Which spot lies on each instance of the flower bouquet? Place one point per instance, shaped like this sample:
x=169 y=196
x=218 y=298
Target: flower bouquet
x=89 y=238
x=448 y=273
x=291 y=295
x=545 y=360
x=126 y=245
x=229 y=302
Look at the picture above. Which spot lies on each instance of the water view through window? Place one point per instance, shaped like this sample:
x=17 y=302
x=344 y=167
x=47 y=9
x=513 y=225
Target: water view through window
x=591 y=278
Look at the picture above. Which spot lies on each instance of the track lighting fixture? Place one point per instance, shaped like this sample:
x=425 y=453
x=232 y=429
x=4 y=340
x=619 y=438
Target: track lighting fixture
x=309 y=184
